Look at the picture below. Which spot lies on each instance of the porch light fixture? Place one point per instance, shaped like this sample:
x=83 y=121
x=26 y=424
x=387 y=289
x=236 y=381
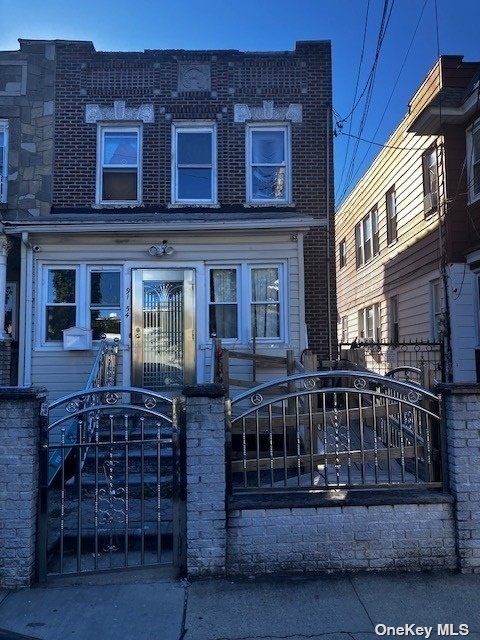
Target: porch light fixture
x=159 y=250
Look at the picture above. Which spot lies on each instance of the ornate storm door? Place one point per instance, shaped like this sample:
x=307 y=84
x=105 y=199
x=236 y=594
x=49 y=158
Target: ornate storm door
x=163 y=336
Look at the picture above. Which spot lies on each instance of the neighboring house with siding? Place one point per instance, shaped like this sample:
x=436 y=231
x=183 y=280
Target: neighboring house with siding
x=189 y=200
x=408 y=235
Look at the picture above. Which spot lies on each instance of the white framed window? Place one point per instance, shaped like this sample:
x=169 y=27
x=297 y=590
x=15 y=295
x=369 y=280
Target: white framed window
x=119 y=165
x=473 y=161
x=391 y=209
x=430 y=180
x=394 y=326
x=105 y=302
x=78 y=295
x=194 y=170
x=3 y=160
x=223 y=316
x=369 y=323
x=268 y=164
x=366 y=238
x=247 y=301
x=436 y=312
x=11 y=306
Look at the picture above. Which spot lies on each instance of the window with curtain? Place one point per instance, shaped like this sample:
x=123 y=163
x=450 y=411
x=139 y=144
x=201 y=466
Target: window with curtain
x=268 y=158
x=265 y=302
x=223 y=305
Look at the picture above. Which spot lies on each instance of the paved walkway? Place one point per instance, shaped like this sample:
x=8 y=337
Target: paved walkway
x=154 y=607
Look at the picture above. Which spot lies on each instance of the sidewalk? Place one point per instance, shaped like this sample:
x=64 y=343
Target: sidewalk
x=331 y=608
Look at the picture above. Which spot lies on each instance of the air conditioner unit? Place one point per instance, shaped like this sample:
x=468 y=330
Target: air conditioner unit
x=430 y=201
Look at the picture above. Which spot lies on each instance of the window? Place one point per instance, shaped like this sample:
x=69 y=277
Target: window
x=61 y=302
x=369 y=323
x=391 y=208
x=366 y=238
x=105 y=304
x=3 y=160
x=119 y=165
x=257 y=288
x=79 y=296
x=344 y=329
x=265 y=302
x=394 y=330
x=194 y=164
x=430 y=180
x=473 y=161
x=268 y=162
x=223 y=305
x=436 y=309
x=342 y=252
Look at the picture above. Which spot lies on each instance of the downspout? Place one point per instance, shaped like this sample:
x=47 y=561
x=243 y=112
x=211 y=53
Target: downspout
x=26 y=307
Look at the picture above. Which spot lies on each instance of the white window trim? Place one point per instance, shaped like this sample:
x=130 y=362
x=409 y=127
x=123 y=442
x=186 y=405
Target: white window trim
x=193 y=127
x=472 y=196
x=82 y=299
x=434 y=312
x=286 y=129
x=342 y=253
x=360 y=226
x=244 y=299
x=391 y=195
x=4 y=152
x=104 y=269
x=376 y=324
x=237 y=269
x=107 y=128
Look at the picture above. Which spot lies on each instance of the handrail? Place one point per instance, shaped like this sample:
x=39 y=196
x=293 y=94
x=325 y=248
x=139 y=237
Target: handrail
x=104 y=366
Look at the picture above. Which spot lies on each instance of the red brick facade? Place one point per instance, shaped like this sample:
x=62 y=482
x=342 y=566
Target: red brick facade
x=302 y=76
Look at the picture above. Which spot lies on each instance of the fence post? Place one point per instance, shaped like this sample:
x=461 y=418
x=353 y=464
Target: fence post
x=206 y=539
x=19 y=479
x=461 y=408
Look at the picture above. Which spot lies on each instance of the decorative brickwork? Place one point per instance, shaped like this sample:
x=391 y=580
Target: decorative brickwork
x=19 y=441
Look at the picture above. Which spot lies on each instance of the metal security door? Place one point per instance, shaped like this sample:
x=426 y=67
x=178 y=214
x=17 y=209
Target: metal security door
x=163 y=353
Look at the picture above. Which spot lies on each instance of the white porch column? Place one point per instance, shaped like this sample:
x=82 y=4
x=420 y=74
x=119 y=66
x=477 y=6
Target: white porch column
x=4 y=247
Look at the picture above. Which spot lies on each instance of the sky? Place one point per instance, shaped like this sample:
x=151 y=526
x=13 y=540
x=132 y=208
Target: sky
x=414 y=32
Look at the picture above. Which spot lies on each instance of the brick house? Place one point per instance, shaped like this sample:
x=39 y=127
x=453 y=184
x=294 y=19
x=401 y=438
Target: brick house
x=408 y=240
x=190 y=198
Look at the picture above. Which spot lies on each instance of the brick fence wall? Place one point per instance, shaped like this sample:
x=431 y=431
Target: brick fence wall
x=19 y=449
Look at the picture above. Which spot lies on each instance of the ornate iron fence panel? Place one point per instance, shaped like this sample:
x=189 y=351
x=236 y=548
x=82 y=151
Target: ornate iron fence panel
x=109 y=479
x=381 y=357
x=334 y=430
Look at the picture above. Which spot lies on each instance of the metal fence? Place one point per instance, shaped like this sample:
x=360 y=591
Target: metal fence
x=381 y=357
x=338 y=429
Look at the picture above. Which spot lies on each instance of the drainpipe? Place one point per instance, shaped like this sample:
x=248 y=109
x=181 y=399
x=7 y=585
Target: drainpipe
x=4 y=247
x=329 y=286
x=26 y=313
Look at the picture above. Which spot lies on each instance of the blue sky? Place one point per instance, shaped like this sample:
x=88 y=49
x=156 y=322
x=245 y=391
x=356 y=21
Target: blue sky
x=254 y=25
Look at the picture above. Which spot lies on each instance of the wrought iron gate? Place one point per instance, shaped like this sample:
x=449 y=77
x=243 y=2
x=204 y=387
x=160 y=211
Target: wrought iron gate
x=110 y=481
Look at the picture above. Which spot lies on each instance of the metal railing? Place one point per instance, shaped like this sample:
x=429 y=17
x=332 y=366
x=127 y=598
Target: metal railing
x=334 y=430
x=381 y=357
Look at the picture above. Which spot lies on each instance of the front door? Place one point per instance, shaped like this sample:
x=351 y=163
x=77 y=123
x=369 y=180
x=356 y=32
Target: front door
x=163 y=336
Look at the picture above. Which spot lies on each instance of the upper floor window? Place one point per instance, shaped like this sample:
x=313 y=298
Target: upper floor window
x=194 y=164
x=119 y=165
x=366 y=238
x=344 y=336
x=342 y=253
x=430 y=180
x=3 y=160
x=473 y=161
x=268 y=164
x=391 y=208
